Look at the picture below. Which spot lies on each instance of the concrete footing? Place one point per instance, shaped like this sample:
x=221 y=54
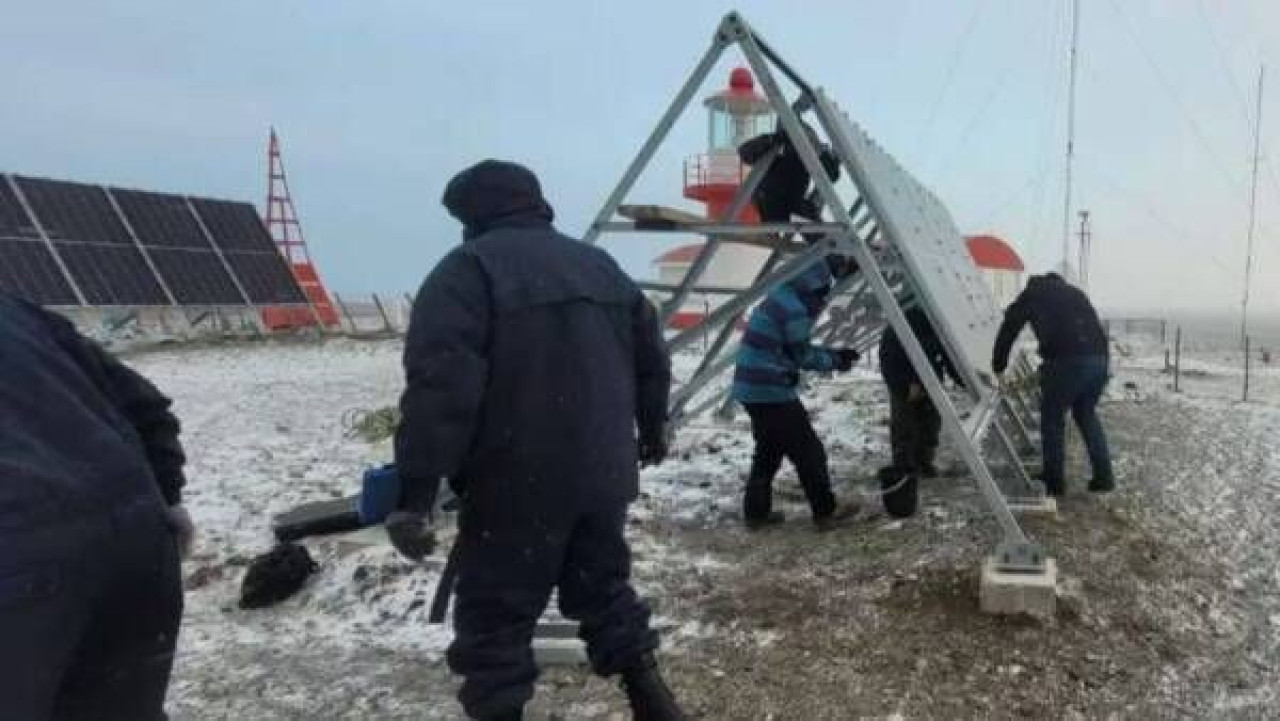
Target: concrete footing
x=561 y=652
x=1003 y=592
x=556 y=643
x=1046 y=506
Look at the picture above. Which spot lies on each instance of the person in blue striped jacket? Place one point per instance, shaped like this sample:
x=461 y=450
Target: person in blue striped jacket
x=775 y=348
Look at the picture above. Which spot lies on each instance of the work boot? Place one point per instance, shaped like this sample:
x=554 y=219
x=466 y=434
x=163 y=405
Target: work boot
x=1102 y=485
x=844 y=513
x=898 y=489
x=927 y=470
x=774 y=518
x=648 y=694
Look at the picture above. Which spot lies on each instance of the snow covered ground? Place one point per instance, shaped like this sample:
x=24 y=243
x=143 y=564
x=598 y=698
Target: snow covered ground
x=1170 y=605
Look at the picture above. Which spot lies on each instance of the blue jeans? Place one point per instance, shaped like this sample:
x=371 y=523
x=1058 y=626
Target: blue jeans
x=1074 y=384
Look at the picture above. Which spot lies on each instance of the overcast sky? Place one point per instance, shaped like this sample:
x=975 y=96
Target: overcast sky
x=379 y=102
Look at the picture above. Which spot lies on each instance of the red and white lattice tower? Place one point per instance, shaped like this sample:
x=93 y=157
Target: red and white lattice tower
x=286 y=231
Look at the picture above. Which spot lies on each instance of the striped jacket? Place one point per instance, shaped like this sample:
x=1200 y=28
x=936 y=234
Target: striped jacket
x=775 y=346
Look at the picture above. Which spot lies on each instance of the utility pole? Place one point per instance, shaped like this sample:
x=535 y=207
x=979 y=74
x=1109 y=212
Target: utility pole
x=1071 y=133
x=1253 y=211
x=1086 y=240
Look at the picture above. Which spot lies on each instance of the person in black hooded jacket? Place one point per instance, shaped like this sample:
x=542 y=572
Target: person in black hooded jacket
x=783 y=191
x=1073 y=375
x=91 y=527
x=531 y=361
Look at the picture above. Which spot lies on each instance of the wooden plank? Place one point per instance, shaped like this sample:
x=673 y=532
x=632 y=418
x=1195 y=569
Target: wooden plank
x=674 y=217
x=659 y=213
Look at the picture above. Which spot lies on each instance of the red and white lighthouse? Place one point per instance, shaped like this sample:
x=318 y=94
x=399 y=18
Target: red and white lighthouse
x=735 y=114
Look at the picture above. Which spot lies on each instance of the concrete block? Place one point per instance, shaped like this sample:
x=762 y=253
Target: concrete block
x=548 y=652
x=1002 y=592
x=556 y=628
x=1038 y=506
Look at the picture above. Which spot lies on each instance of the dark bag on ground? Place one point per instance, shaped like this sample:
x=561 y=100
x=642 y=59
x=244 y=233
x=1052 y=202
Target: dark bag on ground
x=276 y=575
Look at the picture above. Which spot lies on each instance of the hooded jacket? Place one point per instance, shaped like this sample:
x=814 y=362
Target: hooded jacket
x=80 y=433
x=776 y=344
x=1061 y=316
x=786 y=182
x=531 y=361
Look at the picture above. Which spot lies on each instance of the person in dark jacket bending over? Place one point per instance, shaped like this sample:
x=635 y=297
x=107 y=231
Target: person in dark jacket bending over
x=783 y=191
x=91 y=527
x=914 y=423
x=1073 y=375
x=775 y=348
x=531 y=362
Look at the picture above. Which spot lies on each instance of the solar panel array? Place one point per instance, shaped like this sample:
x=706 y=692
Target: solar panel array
x=135 y=248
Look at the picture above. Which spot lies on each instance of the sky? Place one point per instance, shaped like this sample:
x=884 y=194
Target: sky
x=379 y=102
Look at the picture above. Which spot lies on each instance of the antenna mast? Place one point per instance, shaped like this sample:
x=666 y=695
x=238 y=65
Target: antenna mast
x=1086 y=247
x=1071 y=133
x=1253 y=211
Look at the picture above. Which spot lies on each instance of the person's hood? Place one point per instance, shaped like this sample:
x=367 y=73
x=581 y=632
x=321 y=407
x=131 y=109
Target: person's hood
x=1044 y=281
x=495 y=194
x=813 y=285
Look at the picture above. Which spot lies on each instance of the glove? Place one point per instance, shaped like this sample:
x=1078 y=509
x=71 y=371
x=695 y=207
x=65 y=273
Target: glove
x=915 y=392
x=184 y=529
x=410 y=534
x=653 y=451
x=845 y=358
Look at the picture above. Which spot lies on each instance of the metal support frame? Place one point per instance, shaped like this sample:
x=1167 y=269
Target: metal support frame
x=48 y=242
x=849 y=233
x=700 y=264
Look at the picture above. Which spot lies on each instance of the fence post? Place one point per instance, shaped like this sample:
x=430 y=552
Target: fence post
x=1163 y=331
x=386 y=321
x=346 y=313
x=1167 y=367
x=1246 y=369
x=1177 y=358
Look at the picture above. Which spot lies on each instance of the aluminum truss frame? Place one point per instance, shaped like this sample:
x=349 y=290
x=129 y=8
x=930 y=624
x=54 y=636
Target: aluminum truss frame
x=887 y=283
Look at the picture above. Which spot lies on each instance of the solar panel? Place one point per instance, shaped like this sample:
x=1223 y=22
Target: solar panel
x=74 y=212
x=14 y=222
x=195 y=277
x=234 y=226
x=28 y=271
x=238 y=230
x=161 y=220
x=112 y=275
x=265 y=277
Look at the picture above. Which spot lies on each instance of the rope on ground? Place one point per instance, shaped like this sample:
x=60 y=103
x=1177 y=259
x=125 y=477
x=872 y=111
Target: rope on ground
x=371 y=425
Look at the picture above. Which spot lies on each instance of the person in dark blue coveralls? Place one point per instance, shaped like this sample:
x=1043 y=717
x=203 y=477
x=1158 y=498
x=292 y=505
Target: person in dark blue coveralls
x=775 y=348
x=914 y=422
x=1073 y=375
x=91 y=527
x=537 y=380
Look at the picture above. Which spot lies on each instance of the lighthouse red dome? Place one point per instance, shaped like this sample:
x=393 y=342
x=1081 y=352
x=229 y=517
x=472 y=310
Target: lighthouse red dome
x=740 y=79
